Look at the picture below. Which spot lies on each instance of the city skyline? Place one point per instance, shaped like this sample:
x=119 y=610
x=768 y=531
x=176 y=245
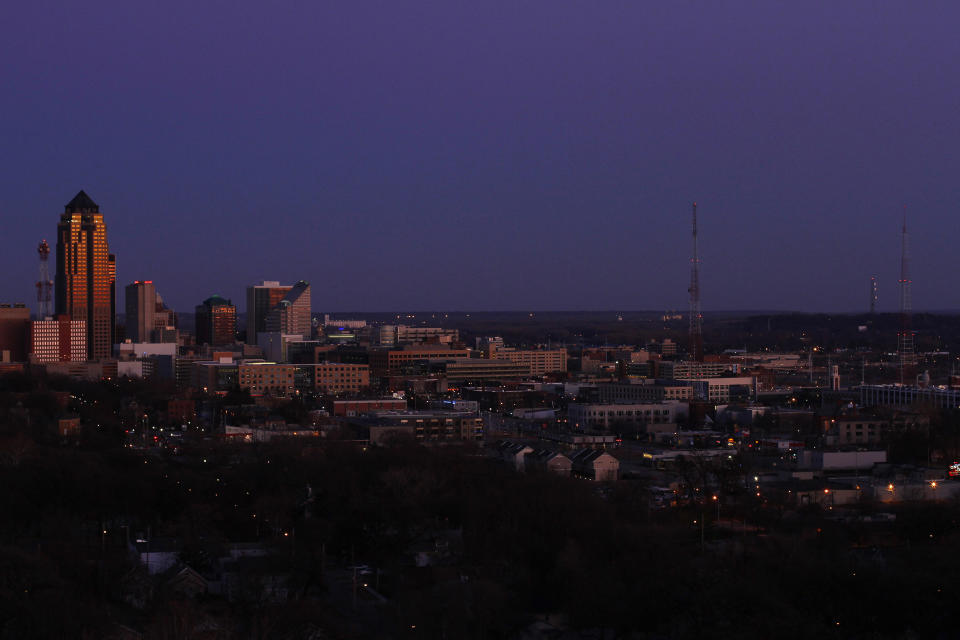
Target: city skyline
x=503 y=158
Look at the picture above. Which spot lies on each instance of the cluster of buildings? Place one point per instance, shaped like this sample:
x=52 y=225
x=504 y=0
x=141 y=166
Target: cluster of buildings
x=276 y=349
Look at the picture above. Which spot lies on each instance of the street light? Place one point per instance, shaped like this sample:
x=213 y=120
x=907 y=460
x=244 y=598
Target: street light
x=717 y=500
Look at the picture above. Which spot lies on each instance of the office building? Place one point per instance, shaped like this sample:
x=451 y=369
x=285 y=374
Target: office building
x=164 y=323
x=141 y=306
x=337 y=377
x=265 y=297
x=385 y=362
x=655 y=417
x=216 y=320
x=724 y=389
x=261 y=299
x=14 y=332
x=58 y=339
x=86 y=274
x=291 y=316
x=262 y=378
x=690 y=370
x=645 y=391
x=905 y=396
x=425 y=426
x=540 y=361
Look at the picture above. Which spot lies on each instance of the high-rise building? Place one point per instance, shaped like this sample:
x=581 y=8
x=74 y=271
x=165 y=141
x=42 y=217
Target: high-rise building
x=216 y=321
x=164 y=322
x=291 y=316
x=58 y=339
x=86 y=274
x=261 y=298
x=141 y=304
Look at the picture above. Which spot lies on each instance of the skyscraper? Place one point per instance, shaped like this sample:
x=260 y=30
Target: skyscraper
x=292 y=314
x=86 y=274
x=216 y=321
x=141 y=303
x=261 y=299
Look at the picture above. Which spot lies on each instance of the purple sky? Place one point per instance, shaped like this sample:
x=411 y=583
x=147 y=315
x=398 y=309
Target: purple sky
x=490 y=155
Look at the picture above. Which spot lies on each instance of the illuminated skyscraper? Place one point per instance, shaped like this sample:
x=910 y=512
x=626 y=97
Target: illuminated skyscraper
x=261 y=299
x=292 y=314
x=86 y=274
x=216 y=321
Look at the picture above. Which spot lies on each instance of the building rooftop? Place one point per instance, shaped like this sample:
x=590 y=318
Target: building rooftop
x=82 y=203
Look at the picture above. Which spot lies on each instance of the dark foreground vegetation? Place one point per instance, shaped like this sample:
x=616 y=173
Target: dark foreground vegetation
x=516 y=549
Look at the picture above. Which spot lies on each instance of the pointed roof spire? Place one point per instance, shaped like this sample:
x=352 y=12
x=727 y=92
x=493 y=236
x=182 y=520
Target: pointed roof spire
x=82 y=203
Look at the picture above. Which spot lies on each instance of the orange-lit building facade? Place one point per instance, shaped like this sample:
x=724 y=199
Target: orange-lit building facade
x=58 y=340
x=86 y=274
x=337 y=377
x=261 y=299
x=261 y=378
x=216 y=321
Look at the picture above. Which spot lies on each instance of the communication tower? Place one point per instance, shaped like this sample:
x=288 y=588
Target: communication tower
x=905 y=349
x=696 y=317
x=44 y=284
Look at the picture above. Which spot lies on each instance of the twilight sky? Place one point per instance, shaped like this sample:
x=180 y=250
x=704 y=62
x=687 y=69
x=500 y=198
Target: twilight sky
x=490 y=155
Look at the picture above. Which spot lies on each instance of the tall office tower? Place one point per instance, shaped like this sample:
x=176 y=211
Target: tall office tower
x=141 y=309
x=261 y=298
x=86 y=274
x=216 y=321
x=58 y=340
x=291 y=316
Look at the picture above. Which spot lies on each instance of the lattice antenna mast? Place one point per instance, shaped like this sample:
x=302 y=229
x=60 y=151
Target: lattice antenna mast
x=44 y=284
x=905 y=347
x=874 y=294
x=696 y=317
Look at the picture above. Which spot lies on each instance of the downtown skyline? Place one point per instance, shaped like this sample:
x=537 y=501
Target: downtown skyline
x=503 y=158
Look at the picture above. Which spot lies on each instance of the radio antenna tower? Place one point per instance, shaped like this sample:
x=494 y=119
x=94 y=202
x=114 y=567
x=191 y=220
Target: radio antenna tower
x=874 y=294
x=905 y=350
x=696 y=317
x=44 y=284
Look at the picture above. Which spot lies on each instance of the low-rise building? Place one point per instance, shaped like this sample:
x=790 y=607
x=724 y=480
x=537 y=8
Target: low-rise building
x=644 y=391
x=855 y=430
x=262 y=378
x=652 y=417
x=718 y=390
x=337 y=377
x=692 y=370
x=596 y=465
x=350 y=408
x=903 y=396
x=14 y=332
x=548 y=461
x=434 y=426
x=385 y=362
x=513 y=453
x=538 y=361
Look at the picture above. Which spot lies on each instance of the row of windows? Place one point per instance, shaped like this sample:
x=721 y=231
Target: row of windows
x=638 y=412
